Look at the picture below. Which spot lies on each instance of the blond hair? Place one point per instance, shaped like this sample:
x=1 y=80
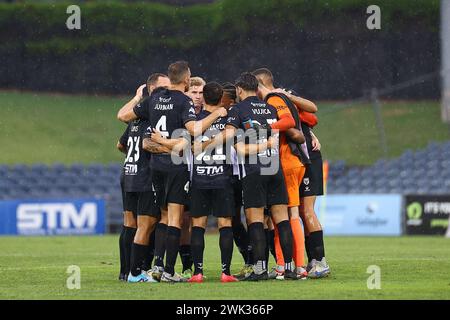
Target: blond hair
x=196 y=82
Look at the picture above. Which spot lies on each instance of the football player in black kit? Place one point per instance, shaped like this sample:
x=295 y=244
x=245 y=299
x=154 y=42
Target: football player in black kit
x=170 y=112
x=211 y=190
x=263 y=183
x=129 y=219
x=240 y=235
x=134 y=185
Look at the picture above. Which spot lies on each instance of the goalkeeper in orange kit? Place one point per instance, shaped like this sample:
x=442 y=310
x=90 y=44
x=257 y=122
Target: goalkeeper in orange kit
x=293 y=157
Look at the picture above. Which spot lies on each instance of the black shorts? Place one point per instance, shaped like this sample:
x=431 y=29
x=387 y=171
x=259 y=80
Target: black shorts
x=171 y=187
x=237 y=191
x=142 y=204
x=216 y=202
x=263 y=191
x=312 y=184
x=122 y=188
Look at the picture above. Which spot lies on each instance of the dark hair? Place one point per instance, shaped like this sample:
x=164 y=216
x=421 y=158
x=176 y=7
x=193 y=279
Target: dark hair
x=177 y=71
x=247 y=82
x=212 y=93
x=263 y=72
x=230 y=90
x=153 y=78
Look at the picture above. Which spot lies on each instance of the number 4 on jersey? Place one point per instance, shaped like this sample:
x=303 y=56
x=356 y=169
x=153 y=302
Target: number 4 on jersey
x=161 y=126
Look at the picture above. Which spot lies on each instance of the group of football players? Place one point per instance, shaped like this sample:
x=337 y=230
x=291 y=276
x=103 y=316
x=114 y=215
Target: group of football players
x=196 y=149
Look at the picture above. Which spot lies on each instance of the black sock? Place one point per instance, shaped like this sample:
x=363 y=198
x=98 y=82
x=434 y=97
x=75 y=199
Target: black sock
x=258 y=243
x=285 y=232
x=186 y=256
x=249 y=254
x=308 y=248
x=266 y=249
x=240 y=236
x=172 y=247
x=128 y=238
x=160 y=243
x=316 y=245
x=197 y=248
x=150 y=253
x=226 y=248
x=122 y=250
x=272 y=244
x=138 y=252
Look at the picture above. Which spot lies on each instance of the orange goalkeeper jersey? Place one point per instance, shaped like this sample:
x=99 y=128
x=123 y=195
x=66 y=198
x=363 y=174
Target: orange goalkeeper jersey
x=288 y=160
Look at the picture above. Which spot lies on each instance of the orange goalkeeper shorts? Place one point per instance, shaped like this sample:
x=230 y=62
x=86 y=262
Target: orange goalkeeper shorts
x=293 y=179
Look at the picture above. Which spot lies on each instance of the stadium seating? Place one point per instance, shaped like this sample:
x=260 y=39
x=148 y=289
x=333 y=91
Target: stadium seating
x=421 y=172
x=424 y=171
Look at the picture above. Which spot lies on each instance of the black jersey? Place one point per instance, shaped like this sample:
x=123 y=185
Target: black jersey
x=167 y=111
x=124 y=138
x=136 y=168
x=242 y=116
x=212 y=170
x=307 y=133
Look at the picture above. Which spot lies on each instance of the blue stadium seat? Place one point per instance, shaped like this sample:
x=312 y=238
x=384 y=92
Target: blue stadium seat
x=59 y=167
x=76 y=168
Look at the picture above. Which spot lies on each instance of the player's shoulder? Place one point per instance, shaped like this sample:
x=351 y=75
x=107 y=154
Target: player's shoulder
x=291 y=91
x=247 y=103
x=238 y=106
x=157 y=90
x=275 y=108
x=202 y=114
x=144 y=103
x=160 y=93
x=276 y=101
x=180 y=96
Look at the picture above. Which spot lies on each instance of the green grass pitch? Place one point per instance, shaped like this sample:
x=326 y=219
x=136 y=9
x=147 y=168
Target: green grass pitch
x=411 y=268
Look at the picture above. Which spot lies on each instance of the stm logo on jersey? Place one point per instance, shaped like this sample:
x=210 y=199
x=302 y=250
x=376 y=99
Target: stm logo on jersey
x=209 y=171
x=131 y=169
x=56 y=218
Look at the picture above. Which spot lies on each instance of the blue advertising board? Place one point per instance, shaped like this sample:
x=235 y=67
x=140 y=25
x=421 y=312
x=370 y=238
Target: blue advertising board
x=52 y=217
x=364 y=214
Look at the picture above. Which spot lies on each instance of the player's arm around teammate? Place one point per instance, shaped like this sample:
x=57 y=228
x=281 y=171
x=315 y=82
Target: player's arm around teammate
x=138 y=186
x=211 y=192
x=171 y=112
x=293 y=168
x=263 y=183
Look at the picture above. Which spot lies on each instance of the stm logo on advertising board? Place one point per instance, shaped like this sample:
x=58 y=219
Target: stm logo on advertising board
x=56 y=218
